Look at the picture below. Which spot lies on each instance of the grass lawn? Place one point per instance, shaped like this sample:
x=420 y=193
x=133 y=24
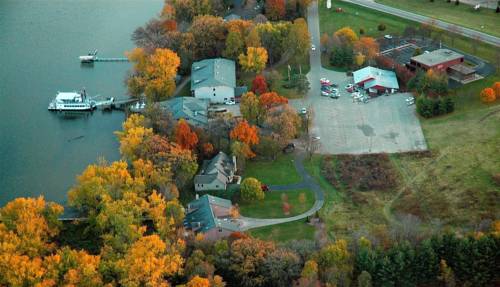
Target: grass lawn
x=279 y=171
x=457 y=188
x=271 y=206
x=484 y=20
x=358 y=17
x=285 y=232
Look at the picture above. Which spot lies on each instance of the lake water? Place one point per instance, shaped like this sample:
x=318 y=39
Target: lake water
x=41 y=152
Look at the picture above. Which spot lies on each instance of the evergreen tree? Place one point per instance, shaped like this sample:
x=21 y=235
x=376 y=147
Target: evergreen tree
x=426 y=263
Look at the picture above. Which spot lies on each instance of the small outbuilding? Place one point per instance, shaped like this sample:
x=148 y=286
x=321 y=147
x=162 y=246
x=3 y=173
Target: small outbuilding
x=375 y=80
x=193 y=110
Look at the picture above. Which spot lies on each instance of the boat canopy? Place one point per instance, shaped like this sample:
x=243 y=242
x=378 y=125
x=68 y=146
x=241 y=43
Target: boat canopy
x=68 y=96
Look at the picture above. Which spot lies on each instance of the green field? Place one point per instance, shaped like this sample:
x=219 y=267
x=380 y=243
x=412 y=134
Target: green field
x=484 y=20
x=271 y=206
x=279 y=171
x=358 y=17
x=285 y=232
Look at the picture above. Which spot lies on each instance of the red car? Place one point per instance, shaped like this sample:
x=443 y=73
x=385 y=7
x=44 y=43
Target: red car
x=264 y=187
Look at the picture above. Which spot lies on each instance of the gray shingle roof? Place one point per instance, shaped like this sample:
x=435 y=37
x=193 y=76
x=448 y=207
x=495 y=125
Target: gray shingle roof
x=219 y=167
x=213 y=72
x=193 y=110
x=437 y=57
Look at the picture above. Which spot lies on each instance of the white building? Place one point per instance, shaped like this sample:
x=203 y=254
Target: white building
x=213 y=79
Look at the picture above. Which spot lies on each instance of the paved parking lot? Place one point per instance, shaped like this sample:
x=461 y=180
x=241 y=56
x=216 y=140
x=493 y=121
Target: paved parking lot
x=384 y=124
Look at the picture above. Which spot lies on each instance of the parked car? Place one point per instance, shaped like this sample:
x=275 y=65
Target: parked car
x=303 y=111
x=349 y=87
x=325 y=93
x=313 y=47
x=230 y=103
x=324 y=82
x=264 y=187
x=289 y=148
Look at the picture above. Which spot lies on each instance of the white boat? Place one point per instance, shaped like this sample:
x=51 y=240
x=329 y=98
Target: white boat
x=72 y=101
x=89 y=58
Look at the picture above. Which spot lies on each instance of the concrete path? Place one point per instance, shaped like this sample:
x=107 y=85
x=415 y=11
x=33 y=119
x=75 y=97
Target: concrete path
x=308 y=182
x=467 y=32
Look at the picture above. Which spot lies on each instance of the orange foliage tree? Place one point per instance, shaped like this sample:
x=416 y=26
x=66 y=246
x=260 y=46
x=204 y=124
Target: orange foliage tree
x=496 y=88
x=487 y=95
x=198 y=281
x=346 y=35
x=184 y=136
x=271 y=99
x=367 y=46
x=245 y=133
x=275 y=9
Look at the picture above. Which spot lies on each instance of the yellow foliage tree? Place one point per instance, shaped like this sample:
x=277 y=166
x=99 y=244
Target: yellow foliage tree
x=346 y=35
x=255 y=59
x=198 y=281
x=148 y=261
x=133 y=136
x=359 y=59
x=153 y=75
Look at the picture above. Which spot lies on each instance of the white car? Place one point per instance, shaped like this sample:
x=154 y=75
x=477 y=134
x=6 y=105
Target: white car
x=388 y=37
x=230 y=103
x=316 y=138
x=303 y=111
x=325 y=93
x=313 y=47
x=349 y=86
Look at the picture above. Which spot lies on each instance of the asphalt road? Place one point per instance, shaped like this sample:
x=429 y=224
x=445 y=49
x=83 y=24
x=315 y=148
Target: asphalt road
x=470 y=33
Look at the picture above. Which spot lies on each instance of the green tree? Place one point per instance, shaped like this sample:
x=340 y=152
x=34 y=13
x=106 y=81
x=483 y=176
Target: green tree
x=364 y=279
x=234 y=45
x=251 y=190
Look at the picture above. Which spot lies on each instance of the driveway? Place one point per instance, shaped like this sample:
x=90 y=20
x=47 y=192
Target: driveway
x=246 y=223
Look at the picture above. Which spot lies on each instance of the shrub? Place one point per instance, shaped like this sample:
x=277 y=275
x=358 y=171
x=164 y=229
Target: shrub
x=361 y=31
x=487 y=95
x=381 y=27
x=251 y=190
x=496 y=88
x=428 y=108
x=496 y=178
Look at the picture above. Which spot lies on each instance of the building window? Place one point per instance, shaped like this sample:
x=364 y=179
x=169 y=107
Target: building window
x=213 y=89
x=220 y=229
x=216 y=186
x=214 y=94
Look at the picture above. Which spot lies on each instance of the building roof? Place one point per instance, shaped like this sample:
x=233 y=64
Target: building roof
x=213 y=72
x=437 y=57
x=232 y=16
x=201 y=217
x=463 y=69
x=219 y=167
x=193 y=110
x=372 y=77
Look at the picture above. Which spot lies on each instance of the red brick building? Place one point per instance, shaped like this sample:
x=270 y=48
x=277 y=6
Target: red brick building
x=439 y=60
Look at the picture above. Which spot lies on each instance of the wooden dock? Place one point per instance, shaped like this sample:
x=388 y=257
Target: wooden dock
x=111 y=59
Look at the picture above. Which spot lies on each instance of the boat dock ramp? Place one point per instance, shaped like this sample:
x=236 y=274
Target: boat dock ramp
x=92 y=57
x=112 y=104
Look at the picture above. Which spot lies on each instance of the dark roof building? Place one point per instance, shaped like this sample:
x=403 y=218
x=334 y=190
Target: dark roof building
x=210 y=215
x=193 y=110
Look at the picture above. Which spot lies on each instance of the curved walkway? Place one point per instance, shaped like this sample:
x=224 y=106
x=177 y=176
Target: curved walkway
x=308 y=182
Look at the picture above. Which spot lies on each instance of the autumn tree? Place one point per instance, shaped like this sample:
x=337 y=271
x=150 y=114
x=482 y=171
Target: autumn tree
x=487 y=95
x=245 y=133
x=253 y=38
x=346 y=36
x=309 y=275
x=254 y=60
x=234 y=45
x=251 y=190
x=133 y=136
x=271 y=99
x=148 y=261
x=250 y=108
x=496 y=89
x=184 y=137
x=298 y=41
x=335 y=259
x=209 y=33
x=198 y=282
x=153 y=75
x=259 y=85
x=284 y=122
x=367 y=46
x=275 y=9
